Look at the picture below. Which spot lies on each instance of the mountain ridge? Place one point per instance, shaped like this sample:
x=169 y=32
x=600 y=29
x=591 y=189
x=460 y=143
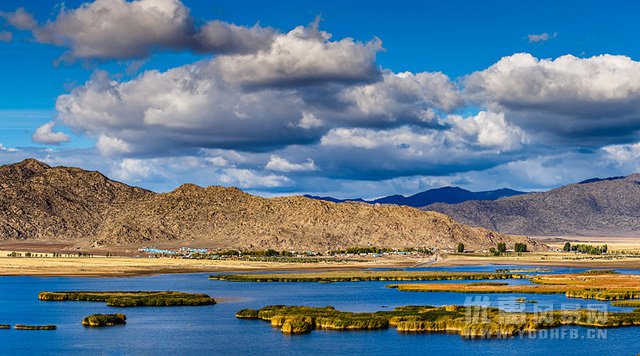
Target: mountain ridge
x=595 y=207
x=43 y=203
x=448 y=194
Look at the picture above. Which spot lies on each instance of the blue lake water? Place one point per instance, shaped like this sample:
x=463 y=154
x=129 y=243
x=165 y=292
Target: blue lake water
x=208 y=330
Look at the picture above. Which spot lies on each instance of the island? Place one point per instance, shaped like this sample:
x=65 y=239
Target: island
x=470 y=322
x=132 y=299
x=96 y=320
x=363 y=276
x=35 y=327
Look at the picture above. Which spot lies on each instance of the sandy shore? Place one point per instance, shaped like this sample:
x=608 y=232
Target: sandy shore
x=127 y=266
x=542 y=259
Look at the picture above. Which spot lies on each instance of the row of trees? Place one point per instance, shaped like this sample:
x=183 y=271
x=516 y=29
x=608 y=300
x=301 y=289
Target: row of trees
x=501 y=248
x=55 y=254
x=584 y=248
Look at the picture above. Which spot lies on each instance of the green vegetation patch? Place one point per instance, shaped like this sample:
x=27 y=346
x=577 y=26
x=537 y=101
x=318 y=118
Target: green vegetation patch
x=626 y=303
x=467 y=321
x=362 y=276
x=132 y=299
x=35 y=327
x=104 y=320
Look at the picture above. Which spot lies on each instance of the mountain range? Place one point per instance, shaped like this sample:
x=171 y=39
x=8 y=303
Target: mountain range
x=449 y=195
x=43 y=203
x=595 y=207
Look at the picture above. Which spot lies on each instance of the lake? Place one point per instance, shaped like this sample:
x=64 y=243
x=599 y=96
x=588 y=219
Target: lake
x=208 y=330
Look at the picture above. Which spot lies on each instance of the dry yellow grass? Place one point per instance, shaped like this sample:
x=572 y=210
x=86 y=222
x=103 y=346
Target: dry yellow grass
x=127 y=266
x=604 y=286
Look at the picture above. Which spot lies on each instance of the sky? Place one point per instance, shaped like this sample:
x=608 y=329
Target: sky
x=341 y=98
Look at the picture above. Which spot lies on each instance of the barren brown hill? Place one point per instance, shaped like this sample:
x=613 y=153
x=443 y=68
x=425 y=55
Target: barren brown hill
x=597 y=207
x=40 y=202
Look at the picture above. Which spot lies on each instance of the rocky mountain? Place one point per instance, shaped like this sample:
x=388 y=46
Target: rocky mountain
x=596 y=207
x=450 y=195
x=38 y=202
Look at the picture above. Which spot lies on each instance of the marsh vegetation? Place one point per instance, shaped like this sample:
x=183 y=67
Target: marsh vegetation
x=95 y=320
x=466 y=321
x=35 y=327
x=361 y=276
x=131 y=299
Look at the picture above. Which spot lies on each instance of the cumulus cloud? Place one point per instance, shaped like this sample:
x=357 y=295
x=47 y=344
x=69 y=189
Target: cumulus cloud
x=120 y=29
x=45 y=134
x=304 y=55
x=541 y=37
x=6 y=36
x=277 y=163
x=221 y=37
x=589 y=102
x=133 y=170
x=403 y=97
x=206 y=105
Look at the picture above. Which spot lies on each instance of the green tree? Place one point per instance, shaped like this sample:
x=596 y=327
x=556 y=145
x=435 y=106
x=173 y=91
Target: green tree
x=502 y=247
x=460 y=247
x=520 y=247
x=567 y=247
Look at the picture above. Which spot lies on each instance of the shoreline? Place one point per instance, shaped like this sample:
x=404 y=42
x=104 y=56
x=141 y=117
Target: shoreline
x=114 y=267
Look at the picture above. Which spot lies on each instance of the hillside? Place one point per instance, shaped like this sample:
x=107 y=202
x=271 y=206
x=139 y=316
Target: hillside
x=38 y=202
x=450 y=195
x=596 y=207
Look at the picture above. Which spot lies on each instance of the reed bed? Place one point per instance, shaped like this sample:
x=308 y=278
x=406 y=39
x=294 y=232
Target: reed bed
x=363 y=276
x=132 y=299
x=465 y=321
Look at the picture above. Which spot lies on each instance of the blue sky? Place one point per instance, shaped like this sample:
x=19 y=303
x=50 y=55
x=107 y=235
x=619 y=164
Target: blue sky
x=529 y=95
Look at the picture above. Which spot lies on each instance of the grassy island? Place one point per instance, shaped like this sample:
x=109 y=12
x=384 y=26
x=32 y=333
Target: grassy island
x=35 y=327
x=104 y=319
x=426 y=319
x=627 y=303
x=132 y=299
x=599 y=285
x=361 y=276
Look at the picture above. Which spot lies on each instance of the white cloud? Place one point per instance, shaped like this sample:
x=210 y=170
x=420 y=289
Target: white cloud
x=489 y=129
x=221 y=37
x=585 y=101
x=305 y=55
x=118 y=28
x=45 y=134
x=111 y=145
x=403 y=97
x=309 y=121
x=121 y=29
x=541 y=37
x=277 y=163
x=133 y=170
x=245 y=178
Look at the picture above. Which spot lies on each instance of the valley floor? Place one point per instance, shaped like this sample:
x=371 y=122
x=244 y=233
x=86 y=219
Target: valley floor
x=625 y=253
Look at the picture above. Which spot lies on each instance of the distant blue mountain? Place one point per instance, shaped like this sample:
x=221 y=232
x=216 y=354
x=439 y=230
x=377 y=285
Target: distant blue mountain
x=449 y=195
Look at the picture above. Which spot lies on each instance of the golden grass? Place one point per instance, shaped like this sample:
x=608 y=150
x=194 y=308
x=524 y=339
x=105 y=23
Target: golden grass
x=589 y=285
